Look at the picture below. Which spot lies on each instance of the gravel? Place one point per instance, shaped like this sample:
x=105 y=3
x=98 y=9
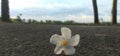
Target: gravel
x=33 y=40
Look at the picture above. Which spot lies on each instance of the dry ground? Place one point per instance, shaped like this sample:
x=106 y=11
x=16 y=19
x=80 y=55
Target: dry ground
x=33 y=40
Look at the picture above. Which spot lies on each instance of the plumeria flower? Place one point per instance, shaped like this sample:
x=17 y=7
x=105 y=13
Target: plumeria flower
x=65 y=42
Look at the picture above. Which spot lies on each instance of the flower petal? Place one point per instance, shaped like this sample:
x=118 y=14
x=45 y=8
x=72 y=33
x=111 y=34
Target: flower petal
x=66 y=32
x=69 y=50
x=55 y=39
x=58 y=49
x=74 y=41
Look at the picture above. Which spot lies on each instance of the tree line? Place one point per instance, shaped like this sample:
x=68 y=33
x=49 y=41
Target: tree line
x=5 y=17
x=18 y=19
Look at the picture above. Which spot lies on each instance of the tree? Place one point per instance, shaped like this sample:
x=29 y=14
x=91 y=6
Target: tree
x=114 y=12
x=5 y=11
x=19 y=18
x=96 y=20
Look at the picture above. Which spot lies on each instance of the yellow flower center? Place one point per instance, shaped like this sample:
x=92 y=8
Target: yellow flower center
x=64 y=42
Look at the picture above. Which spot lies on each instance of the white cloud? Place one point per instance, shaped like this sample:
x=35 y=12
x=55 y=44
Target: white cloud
x=20 y=4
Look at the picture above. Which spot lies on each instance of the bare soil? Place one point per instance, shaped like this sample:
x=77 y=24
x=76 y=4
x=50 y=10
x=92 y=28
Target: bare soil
x=33 y=40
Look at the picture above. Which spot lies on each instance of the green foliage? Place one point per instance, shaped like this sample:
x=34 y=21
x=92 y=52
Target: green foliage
x=57 y=22
x=18 y=19
x=48 y=22
x=30 y=21
x=69 y=22
x=42 y=22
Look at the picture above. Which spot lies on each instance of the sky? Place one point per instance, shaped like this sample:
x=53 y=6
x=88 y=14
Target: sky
x=77 y=10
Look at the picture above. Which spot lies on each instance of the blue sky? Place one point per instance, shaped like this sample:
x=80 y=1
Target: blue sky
x=77 y=10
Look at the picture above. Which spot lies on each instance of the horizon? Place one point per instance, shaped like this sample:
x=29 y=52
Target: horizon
x=62 y=10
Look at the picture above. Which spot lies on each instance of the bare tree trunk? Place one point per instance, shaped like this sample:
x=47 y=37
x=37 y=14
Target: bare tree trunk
x=96 y=20
x=5 y=11
x=114 y=12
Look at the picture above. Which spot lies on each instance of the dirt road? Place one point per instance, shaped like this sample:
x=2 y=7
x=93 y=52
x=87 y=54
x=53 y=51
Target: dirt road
x=33 y=40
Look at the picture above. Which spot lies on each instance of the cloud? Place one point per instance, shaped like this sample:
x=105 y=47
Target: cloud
x=55 y=10
x=78 y=10
x=19 y=4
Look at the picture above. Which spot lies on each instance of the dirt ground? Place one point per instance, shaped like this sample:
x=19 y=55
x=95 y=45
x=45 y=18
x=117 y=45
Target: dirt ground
x=33 y=40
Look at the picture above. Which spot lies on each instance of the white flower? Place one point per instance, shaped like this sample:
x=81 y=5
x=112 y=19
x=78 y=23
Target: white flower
x=65 y=42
